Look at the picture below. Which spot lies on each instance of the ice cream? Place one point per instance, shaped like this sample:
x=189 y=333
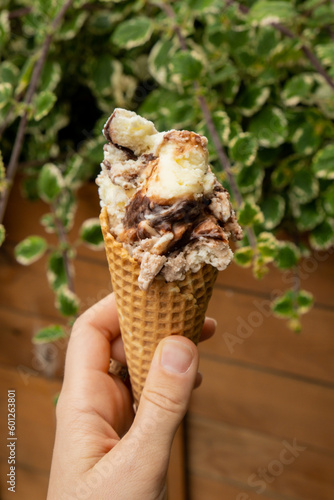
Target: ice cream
x=164 y=204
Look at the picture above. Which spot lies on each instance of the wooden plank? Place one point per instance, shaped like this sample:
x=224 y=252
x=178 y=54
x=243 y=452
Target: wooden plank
x=203 y=487
x=176 y=479
x=35 y=416
x=316 y=276
x=17 y=349
x=30 y=484
x=316 y=272
x=26 y=287
x=280 y=406
x=241 y=456
x=248 y=332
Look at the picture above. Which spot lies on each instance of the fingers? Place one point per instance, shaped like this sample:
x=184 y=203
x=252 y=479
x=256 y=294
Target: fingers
x=209 y=329
x=89 y=345
x=164 y=400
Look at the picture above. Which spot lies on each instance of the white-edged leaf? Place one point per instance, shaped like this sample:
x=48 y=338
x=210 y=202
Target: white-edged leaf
x=273 y=208
x=6 y=91
x=50 y=182
x=297 y=89
x=185 y=66
x=264 y=12
x=250 y=214
x=56 y=270
x=250 y=178
x=322 y=237
x=50 y=333
x=325 y=52
x=243 y=149
x=30 y=250
x=4 y=27
x=133 y=32
x=287 y=255
x=328 y=200
x=252 y=99
x=304 y=186
x=244 y=256
x=67 y=302
x=270 y=127
x=91 y=234
x=43 y=103
x=323 y=163
x=159 y=58
x=70 y=28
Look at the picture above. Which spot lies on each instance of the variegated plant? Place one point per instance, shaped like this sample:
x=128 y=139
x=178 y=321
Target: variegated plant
x=256 y=77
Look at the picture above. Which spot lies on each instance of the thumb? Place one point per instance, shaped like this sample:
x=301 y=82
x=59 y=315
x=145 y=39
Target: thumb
x=164 y=400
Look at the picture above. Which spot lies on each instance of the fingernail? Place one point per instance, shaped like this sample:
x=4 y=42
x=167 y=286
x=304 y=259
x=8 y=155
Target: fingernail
x=212 y=320
x=175 y=356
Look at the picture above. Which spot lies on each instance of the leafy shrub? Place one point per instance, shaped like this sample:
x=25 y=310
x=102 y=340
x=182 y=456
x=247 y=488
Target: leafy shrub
x=256 y=77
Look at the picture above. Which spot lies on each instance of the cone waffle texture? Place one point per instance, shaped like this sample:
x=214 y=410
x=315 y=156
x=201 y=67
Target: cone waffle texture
x=146 y=317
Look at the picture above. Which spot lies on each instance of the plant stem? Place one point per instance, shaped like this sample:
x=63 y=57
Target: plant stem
x=223 y=158
x=308 y=53
x=63 y=239
x=13 y=162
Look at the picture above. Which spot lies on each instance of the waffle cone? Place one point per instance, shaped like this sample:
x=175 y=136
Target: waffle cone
x=146 y=317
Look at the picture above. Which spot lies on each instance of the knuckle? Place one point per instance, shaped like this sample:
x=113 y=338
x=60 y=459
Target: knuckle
x=168 y=402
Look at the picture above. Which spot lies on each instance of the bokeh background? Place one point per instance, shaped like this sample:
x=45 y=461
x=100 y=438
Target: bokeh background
x=257 y=78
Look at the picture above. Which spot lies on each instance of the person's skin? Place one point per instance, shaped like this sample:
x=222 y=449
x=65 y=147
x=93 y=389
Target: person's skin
x=101 y=451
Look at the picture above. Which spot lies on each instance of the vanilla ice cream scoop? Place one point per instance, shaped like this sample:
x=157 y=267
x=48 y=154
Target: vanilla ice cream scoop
x=164 y=203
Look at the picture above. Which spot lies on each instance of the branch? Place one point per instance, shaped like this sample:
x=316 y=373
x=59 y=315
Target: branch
x=12 y=166
x=308 y=53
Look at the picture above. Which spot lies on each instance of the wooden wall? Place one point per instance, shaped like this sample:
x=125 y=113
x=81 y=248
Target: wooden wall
x=261 y=424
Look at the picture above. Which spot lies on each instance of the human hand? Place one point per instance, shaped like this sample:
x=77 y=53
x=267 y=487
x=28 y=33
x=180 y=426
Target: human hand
x=102 y=451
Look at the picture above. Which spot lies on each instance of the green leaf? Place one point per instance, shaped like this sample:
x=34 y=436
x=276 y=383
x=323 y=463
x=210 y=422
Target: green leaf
x=297 y=89
x=249 y=214
x=243 y=256
x=322 y=237
x=328 y=200
x=306 y=140
x=267 y=40
x=4 y=27
x=56 y=271
x=43 y=103
x=304 y=186
x=66 y=208
x=25 y=75
x=133 y=32
x=264 y=12
x=48 y=222
x=49 y=334
x=50 y=182
x=287 y=255
x=51 y=76
x=2 y=234
x=70 y=28
x=304 y=301
x=273 y=209
x=267 y=246
x=30 y=250
x=9 y=73
x=283 y=307
x=325 y=52
x=250 y=178
x=270 y=127
x=252 y=99
x=243 y=149
x=6 y=91
x=309 y=216
x=91 y=234
x=67 y=302
x=323 y=163
x=185 y=67
x=159 y=59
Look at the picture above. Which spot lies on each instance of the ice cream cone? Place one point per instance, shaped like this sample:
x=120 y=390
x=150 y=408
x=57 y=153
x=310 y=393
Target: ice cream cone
x=146 y=317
